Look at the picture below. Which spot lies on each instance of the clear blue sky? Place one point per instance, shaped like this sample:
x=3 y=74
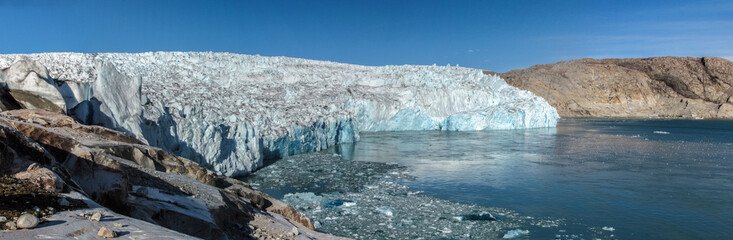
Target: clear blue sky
x=493 y=35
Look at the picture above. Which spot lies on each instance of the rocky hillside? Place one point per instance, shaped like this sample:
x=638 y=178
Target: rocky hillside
x=683 y=87
x=62 y=179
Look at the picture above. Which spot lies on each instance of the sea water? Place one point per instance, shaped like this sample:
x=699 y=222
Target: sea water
x=585 y=179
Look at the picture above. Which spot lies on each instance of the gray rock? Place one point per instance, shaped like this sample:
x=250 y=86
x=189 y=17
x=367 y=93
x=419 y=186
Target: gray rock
x=27 y=221
x=64 y=203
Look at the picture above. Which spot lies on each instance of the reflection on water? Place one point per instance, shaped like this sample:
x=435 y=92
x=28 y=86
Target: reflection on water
x=661 y=179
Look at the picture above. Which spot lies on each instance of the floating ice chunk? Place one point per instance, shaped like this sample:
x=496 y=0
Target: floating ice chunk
x=302 y=197
x=386 y=210
x=610 y=229
x=339 y=203
x=515 y=233
x=661 y=132
x=483 y=216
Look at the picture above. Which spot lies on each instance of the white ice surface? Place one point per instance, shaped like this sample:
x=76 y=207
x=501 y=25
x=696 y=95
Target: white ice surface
x=230 y=111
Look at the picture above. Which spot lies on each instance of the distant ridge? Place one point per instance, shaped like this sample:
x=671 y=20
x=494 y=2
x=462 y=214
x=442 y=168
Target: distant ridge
x=668 y=87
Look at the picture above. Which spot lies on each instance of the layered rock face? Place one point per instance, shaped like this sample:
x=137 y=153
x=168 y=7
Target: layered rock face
x=102 y=166
x=684 y=87
x=228 y=112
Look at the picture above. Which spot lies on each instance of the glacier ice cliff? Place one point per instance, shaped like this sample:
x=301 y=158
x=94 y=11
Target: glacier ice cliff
x=231 y=111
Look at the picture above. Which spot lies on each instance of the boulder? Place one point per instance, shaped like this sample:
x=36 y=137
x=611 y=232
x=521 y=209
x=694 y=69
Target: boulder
x=26 y=221
x=42 y=177
x=106 y=233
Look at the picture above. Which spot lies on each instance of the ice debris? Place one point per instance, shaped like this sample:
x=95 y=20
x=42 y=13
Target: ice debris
x=483 y=216
x=515 y=233
x=229 y=112
x=340 y=203
x=386 y=210
x=382 y=208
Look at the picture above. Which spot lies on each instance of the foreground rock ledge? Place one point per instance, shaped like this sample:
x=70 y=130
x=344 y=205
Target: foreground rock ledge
x=124 y=180
x=674 y=87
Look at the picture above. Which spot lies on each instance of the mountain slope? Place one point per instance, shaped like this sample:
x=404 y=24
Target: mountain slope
x=684 y=87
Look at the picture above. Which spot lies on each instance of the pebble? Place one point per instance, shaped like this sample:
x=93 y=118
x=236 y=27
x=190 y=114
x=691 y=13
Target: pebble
x=27 y=221
x=3 y=219
x=106 y=233
x=63 y=202
x=11 y=225
x=96 y=217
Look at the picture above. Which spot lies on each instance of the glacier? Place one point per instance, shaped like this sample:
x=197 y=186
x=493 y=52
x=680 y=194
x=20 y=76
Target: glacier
x=229 y=112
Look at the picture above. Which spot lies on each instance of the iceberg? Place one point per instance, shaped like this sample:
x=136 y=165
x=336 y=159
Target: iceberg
x=229 y=112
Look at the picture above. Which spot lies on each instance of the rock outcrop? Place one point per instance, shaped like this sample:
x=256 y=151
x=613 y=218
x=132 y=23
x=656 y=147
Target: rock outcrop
x=135 y=180
x=676 y=87
x=29 y=85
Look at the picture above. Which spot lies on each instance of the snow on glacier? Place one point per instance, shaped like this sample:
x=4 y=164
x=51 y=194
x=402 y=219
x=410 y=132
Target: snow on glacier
x=230 y=111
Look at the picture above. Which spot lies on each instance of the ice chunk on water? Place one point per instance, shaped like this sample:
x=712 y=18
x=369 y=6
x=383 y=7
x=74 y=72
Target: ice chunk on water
x=339 y=203
x=610 y=229
x=301 y=197
x=515 y=233
x=483 y=216
x=386 y=210
x=661 y=132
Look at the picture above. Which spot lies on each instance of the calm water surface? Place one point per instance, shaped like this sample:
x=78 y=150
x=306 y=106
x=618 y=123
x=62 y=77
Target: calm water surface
x=647 y=179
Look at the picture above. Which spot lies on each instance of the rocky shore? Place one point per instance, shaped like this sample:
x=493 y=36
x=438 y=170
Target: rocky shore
x=62 y=179
x=668 y=87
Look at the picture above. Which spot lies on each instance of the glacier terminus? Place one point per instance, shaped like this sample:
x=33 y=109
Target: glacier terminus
x=229 y=112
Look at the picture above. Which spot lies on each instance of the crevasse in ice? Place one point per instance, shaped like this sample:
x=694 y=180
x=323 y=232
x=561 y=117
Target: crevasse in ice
x=230 y=111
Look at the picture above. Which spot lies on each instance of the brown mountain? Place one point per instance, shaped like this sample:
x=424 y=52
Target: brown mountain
x=685 y=87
